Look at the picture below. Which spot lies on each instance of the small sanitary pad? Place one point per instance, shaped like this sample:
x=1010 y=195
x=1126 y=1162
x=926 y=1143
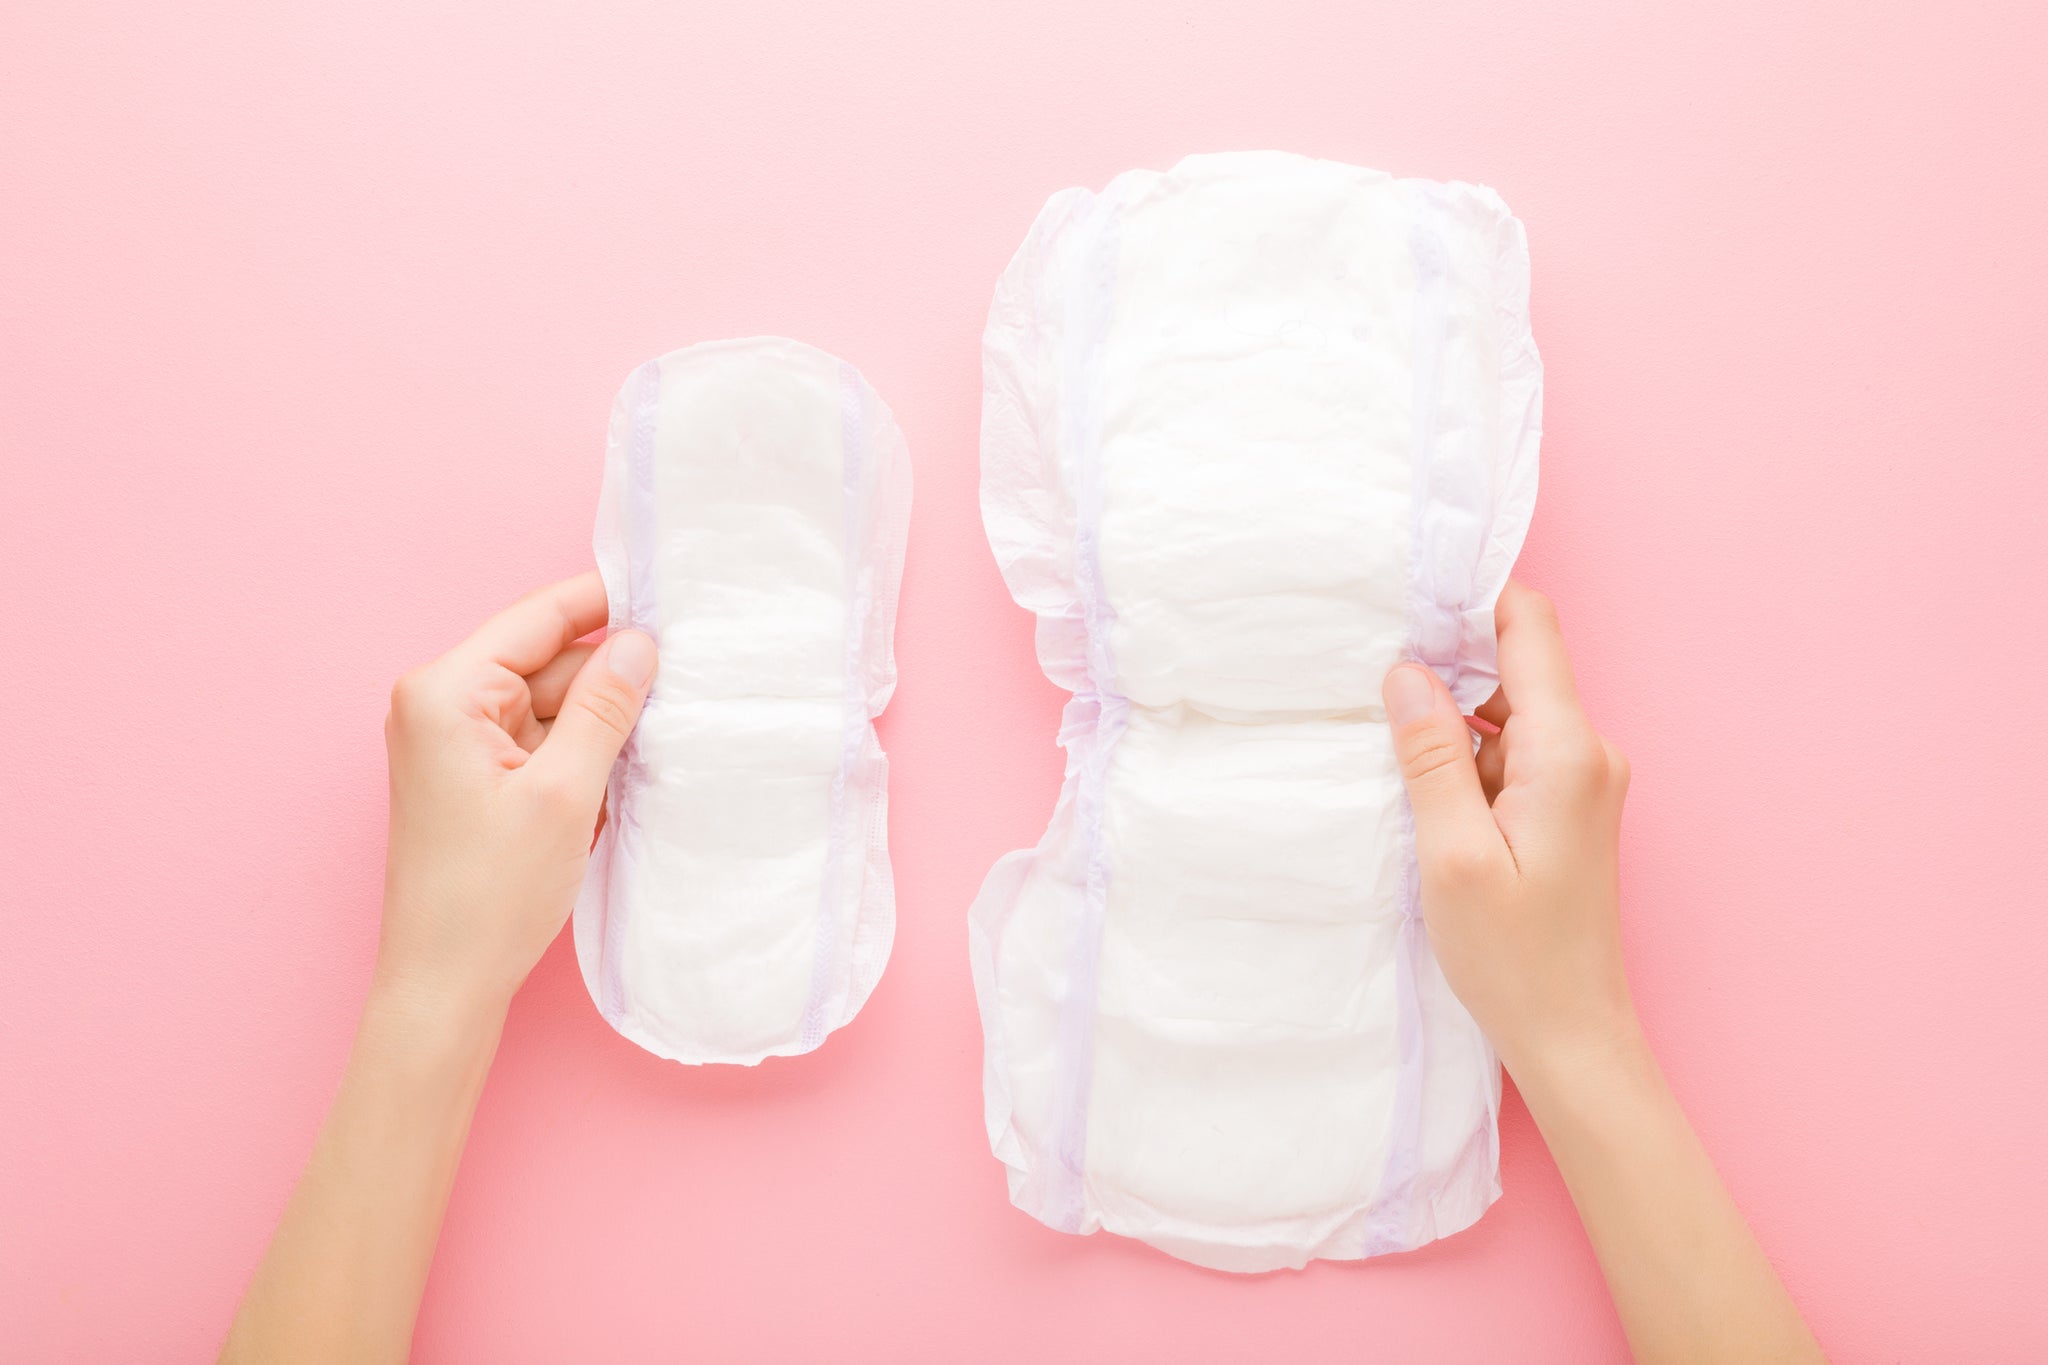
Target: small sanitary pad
x=1254 y=430
x=739 y=903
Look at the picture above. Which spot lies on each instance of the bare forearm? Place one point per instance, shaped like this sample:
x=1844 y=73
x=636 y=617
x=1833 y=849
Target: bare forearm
x=1687 y=1277
x=343 y=1276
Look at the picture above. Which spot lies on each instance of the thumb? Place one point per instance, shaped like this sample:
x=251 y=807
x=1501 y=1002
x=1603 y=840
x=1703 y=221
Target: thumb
x=600 y=710
x=1452 y=820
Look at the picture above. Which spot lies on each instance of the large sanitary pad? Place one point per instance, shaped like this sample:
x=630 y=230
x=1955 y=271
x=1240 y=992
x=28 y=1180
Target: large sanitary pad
x=739 y=902
x=1254 y=430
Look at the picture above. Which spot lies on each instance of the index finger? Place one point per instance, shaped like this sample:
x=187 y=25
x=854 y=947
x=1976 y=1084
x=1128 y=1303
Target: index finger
x=526 y=635
x=1535 y=670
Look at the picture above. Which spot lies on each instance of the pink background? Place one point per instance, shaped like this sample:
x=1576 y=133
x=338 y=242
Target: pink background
x=311 y=316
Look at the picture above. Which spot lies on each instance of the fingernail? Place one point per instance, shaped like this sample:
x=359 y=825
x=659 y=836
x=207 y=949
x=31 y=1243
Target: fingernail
x=1410 y=697
x=630 y=656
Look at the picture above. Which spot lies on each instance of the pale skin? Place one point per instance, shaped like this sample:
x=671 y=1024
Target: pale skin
x=499 y=753
x=1519 y=850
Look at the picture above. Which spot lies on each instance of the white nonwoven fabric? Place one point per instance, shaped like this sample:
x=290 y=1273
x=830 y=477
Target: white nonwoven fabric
x=739 y=903
x=1254 y=430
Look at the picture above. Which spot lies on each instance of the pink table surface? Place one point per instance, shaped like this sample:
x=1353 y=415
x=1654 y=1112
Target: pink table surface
x=310 y=315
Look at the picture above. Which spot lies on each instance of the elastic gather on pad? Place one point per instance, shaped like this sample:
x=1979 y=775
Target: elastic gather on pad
x=642 y=600
x=826 y=949
x=1433 y=631
x=1082 y=439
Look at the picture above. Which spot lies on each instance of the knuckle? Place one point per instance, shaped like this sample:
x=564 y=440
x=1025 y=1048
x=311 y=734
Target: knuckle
x=555 y=793
x=611 y=708
x=1432 y=753
x=1460 y=866
x=1617 y=764
x=409 y=696
x=1580 y=761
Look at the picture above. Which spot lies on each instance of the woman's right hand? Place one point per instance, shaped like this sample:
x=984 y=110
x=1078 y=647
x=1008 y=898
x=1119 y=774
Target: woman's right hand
x=1519 y=850
x=1518 y=847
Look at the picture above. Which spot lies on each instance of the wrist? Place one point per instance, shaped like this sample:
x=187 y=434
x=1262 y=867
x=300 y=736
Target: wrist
x=432 y=978
x=429 y=1021
x=1592 y=1064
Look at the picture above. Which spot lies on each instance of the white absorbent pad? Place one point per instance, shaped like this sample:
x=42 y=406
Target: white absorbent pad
x=739 y=902
x=1254 y=430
